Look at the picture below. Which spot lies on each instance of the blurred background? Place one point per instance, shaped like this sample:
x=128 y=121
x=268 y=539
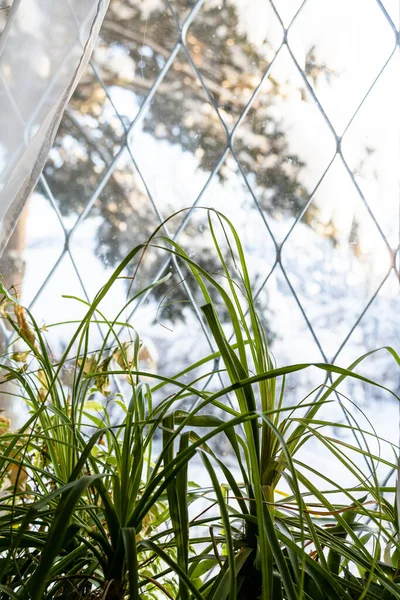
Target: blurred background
x=283 y=115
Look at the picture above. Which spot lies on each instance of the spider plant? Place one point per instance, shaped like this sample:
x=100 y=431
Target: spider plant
x=267 y=556
x=104 y=515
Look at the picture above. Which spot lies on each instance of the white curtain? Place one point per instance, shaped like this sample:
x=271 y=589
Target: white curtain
x=44 y=49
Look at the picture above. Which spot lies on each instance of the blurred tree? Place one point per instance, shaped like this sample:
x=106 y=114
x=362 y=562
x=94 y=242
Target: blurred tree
x=136 y=40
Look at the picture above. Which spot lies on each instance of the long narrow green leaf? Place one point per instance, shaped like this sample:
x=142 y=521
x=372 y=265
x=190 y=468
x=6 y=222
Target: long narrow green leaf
x=129 y=539
x=174 y=566
x=56 y=535
x=231 y=590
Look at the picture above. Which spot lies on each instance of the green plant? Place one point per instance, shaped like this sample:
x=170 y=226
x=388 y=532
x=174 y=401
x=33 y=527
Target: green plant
x=104 y=515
